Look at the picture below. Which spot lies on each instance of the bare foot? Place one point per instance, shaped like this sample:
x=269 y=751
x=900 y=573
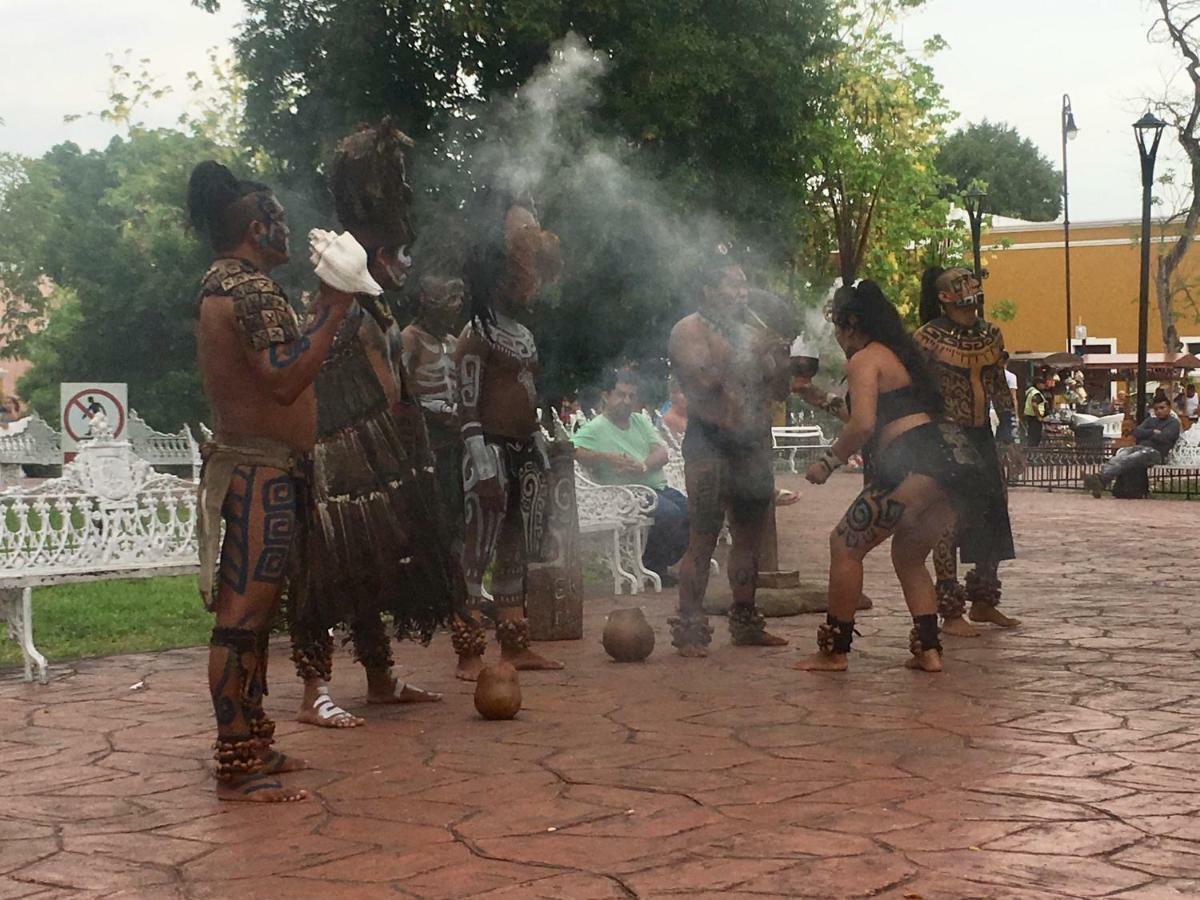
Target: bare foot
x=981 y=612
x=319 y=709
x=258 y=787
x=397 y=691
x=926 y=661
x=762 y=639
x=276 y=763
x=960 y=627
x=528 y=661
x=823 y=662
x=469 y=668
x=693 y=651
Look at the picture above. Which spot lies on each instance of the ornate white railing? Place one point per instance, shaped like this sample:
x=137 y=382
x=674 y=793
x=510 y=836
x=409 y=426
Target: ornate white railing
x=159 y=449
x=28 y=442
x=110 y=515
x=33 y=442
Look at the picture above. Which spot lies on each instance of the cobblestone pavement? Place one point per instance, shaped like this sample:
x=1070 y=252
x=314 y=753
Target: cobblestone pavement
x=1058 y=760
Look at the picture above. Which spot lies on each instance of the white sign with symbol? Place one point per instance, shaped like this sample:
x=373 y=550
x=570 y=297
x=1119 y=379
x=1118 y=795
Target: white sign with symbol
x=83 y=401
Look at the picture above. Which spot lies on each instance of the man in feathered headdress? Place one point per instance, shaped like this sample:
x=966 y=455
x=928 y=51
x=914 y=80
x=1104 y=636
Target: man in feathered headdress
x=376 y=528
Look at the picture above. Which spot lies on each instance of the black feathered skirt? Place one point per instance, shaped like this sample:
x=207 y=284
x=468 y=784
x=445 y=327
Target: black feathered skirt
x=374 y=544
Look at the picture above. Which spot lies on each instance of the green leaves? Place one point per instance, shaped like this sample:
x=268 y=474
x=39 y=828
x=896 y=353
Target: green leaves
x=1021 y=183
x=875 y=195
x=97 y=244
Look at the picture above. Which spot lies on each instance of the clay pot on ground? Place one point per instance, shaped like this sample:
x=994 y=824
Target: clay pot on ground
x=628 y=637
x=498 y=692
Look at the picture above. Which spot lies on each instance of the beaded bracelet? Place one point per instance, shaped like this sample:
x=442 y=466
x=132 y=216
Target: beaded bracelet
x=830 y=461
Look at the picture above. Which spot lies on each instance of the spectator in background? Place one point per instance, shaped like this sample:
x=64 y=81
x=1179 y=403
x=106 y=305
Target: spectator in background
x=674 y=419
x=1009 y=378
x=621 y=446
x=1155 y=437
x=568 y=412
x=1037 y=404
x=1191 y=402
x=10 y=410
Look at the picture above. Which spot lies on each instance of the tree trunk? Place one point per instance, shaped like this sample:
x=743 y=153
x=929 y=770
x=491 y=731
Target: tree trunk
x=1162 y=296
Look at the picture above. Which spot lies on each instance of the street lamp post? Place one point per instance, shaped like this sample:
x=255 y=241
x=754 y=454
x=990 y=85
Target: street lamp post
x=1068 y=134
x=1149 y=127
x=975 y=200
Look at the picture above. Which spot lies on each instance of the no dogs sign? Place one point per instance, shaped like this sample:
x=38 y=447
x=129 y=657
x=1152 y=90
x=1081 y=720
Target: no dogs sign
x=82 y=402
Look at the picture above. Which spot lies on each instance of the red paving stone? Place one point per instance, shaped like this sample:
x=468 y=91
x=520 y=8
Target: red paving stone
x=1057 y=760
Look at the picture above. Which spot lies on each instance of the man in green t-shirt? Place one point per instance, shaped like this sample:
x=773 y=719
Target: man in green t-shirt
x=620 y=446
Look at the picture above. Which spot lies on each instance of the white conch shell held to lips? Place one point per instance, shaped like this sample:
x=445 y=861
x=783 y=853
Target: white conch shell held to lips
x=341 y=262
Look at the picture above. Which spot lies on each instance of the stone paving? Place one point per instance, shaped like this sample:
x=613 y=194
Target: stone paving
x=1058 y=760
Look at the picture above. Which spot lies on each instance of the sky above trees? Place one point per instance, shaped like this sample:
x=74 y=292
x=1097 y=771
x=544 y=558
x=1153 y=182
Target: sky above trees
x=1009 y=63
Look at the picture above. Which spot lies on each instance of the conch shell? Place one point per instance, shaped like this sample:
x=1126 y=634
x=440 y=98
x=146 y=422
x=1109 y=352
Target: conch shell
x=341 y=262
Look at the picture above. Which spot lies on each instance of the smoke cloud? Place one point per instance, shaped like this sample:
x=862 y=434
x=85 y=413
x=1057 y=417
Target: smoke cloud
x=631 y=238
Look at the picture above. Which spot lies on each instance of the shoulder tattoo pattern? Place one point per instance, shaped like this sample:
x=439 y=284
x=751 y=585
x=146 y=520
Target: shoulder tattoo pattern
x=260 y=307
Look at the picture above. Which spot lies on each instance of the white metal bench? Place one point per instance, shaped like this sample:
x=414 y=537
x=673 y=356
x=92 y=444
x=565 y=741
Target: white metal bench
x=788 y=441
x=160 y=449
x=33 y=442
x=28 y=442
x=613 y=519
x=109 y=516
x=1186 y=452
x=674 y=472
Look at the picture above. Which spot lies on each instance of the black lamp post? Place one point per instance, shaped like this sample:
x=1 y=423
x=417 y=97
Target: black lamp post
x=974 y=200
x=1148 y=127
x=1068 y=134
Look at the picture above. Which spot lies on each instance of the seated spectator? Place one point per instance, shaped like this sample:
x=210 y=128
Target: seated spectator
x=10 y=410
x=674 y=417
x=622 y=447
x=1155 y=437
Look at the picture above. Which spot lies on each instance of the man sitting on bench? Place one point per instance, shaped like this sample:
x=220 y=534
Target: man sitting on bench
x=620 y=446
x=1155 y=437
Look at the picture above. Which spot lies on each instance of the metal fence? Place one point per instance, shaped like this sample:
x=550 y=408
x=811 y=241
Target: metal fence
x=1058 y=468
x=1063 y=469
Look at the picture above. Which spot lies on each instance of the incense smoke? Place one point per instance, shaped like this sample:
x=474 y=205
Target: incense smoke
x=628 y=231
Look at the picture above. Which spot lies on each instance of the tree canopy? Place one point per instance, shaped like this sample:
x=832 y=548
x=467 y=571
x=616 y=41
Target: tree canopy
x=647 y=130
x=105 y=231
x=1021 y=182
x=875 y=196
x=693 y=110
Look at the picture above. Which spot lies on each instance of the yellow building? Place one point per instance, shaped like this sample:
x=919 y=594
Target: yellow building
x=1026 y=268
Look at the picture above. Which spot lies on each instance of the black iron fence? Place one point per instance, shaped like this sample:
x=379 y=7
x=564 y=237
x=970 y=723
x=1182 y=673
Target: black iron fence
x=1063 y=468
x=1058 y=468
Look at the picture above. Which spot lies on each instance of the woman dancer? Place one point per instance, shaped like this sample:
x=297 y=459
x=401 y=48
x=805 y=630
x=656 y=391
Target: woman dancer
x=918 y=471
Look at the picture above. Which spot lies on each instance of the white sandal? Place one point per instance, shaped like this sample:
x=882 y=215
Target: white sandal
x=329 y=713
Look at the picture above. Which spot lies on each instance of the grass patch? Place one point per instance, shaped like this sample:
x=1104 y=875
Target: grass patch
x=100 y=618
x=103 y=618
